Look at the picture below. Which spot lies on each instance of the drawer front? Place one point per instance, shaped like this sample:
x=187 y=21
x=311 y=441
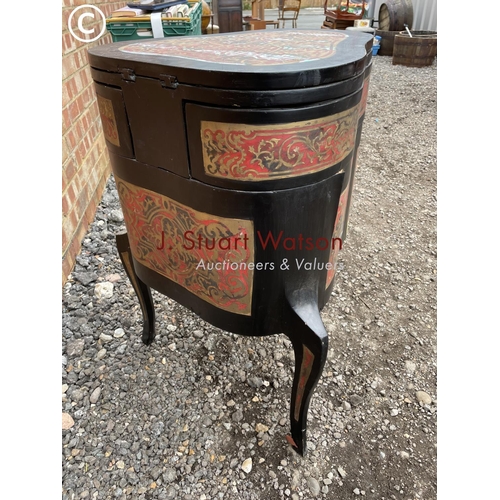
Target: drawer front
x=271 y=148
x=114 y=120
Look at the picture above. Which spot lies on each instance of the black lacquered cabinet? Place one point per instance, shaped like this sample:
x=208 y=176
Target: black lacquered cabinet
x=234 y=157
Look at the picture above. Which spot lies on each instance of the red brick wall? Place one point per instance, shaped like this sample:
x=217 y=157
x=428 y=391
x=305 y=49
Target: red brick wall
x=85 y=167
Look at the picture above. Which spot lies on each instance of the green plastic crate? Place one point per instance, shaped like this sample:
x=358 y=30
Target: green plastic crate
x=139 y=30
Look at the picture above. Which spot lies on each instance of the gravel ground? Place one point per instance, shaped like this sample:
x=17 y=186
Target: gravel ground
x=180 y=418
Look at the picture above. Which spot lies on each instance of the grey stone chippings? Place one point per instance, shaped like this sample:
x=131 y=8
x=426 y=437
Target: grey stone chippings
x=75 y=347
x=342 y=472
x=85 y=278
x=169 y=475
x=177 y=419
x=95 y=395
x=314 y=487
x=423 y=397
x=237 y=416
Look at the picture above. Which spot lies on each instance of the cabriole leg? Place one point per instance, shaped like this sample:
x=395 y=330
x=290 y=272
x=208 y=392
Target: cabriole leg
x=310 y=344
x=141 y=289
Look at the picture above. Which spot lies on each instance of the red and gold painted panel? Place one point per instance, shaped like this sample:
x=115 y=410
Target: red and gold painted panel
x=259 y=48
x=305 y=372
x=108 y=120
x=337 y=233
x=162 y=231
x=262 y=152
x=364 y=97
x=340 y=220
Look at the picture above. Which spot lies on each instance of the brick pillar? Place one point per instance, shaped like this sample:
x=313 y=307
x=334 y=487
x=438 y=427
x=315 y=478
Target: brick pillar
x=85 y=167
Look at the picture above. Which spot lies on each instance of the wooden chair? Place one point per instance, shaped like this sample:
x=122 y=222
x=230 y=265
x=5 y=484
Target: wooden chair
x=258 y=9
x=258 y=14
x=289 y=11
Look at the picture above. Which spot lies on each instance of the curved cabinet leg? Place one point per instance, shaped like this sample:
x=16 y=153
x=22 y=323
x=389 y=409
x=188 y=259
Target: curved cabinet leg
x=310 y=344
x=141 y=289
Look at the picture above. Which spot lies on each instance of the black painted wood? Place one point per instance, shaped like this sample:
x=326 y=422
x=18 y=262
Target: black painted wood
x=195 y=114
x=307 y=333
x=116 y=128
x=161 y=104
x=142 y=290
x=271 y=212
x=352 y=171
x=349 y=60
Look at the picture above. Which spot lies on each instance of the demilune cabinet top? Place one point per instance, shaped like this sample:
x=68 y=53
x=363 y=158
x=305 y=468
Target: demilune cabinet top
x=260 y=60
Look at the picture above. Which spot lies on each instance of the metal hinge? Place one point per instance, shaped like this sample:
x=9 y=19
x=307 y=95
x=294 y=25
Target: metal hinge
x=128 y=74
x=169 y=82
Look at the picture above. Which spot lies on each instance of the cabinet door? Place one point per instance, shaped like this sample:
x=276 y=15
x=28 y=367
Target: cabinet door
x=157 y=124
x=114 y=120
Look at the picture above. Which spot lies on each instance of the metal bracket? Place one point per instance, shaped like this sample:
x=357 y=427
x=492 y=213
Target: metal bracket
x=127 y=74
x=169 y=82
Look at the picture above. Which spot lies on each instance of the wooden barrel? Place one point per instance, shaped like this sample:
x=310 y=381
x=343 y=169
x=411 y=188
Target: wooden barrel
x=387 y=42
x=394 y=14
x=416 y=51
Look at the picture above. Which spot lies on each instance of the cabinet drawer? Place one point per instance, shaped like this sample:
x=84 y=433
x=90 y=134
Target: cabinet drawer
x=267 y=149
